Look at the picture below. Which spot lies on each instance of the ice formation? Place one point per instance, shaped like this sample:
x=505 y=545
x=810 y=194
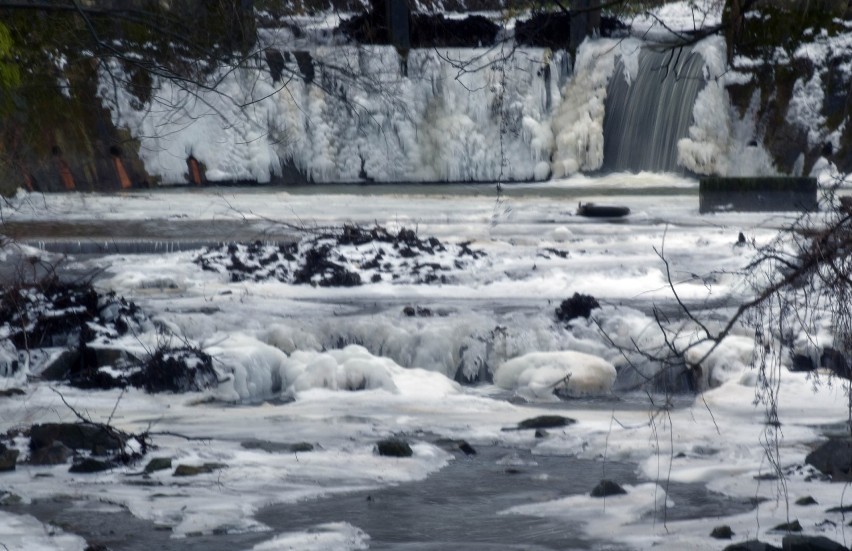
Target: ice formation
x=361 y=114
x=539 y=375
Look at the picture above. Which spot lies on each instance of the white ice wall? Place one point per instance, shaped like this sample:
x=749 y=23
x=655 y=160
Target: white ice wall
x=495 y=114
x=457 y=115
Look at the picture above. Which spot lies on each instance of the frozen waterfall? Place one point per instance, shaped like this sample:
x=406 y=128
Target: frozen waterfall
x=363 y=114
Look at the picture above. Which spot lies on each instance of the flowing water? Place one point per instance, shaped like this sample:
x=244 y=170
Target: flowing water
x=458 y=507
x=645 y=118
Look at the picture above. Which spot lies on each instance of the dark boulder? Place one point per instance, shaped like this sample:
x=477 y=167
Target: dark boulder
x=833 y=458
x=805 y=501
x=56 y=453
x=810 y=543
x=77 y=436
x=58 y=368
x=606 y=488
x=394 y=447
x=792 y=526
x=452 y=445
x=466 y=448
x=176 y=370
x=158 y=464
x=751 y=545
x=277 y=447
x=8 y=458
x=9 y=392
x=546 y=422
x=722 y=532
x=194 y=470
x=90 y=465
x=578 y=306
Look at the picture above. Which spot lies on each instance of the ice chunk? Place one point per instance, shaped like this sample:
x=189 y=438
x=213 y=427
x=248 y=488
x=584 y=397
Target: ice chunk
x=538 y=375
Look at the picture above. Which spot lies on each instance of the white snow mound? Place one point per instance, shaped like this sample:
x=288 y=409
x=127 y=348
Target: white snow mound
x=538 y=374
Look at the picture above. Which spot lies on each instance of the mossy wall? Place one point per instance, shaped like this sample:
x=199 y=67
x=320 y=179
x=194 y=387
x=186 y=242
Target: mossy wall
x=53 y=127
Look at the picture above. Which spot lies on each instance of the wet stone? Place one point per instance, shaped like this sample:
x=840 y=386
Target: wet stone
x=8 y=458
x=810 y=543
x=277 y=447
x=393 y=447
x=158 y=464
x=606 y=488
x=578 y=306
x=78 y=436
x=806 y=500
x=546 y=422
x=792 y=526
x=91 y=465
x=55 y=454
x=751 y=545
x=194 y=470
x=723 y=532
x=833 y=458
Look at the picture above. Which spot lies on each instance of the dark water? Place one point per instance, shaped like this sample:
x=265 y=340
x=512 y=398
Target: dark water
x=455 y=508
x=458 y=507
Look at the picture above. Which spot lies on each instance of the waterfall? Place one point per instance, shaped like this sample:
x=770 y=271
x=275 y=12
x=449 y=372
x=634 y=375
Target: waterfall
x=644 y=119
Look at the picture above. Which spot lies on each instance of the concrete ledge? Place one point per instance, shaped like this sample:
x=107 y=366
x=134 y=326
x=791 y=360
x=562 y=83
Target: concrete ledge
x=757 y=194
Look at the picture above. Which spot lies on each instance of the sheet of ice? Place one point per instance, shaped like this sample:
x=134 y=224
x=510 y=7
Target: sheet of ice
x=24 y=533
x=604 y=516
x=339 y=536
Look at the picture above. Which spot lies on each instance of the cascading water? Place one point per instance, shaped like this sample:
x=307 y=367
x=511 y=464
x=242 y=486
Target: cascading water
x=645 y=118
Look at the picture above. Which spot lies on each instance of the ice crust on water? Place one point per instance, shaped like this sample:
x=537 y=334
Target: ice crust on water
x=337 y=536
x=25 y=533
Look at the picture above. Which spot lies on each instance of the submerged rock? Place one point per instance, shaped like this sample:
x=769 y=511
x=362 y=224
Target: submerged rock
x=394 y=447
x=606 y=488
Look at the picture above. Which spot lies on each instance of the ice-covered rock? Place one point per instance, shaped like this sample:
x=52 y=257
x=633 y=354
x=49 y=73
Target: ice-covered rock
x=540 y=375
